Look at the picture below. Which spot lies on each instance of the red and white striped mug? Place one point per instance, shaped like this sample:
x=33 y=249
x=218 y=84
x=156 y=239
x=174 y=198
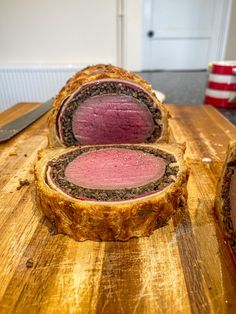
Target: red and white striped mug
x=223 y=67
x=221 y=86
x=220 y=98
x=222 y=82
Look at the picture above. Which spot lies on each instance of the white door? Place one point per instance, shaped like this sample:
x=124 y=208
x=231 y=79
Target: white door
x=184 y=34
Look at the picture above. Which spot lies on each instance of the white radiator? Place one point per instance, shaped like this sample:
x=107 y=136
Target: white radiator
x=32 y=83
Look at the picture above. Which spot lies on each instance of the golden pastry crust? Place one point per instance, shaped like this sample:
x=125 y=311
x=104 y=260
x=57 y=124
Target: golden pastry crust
x=219 y=201
x=100 y=72
x=107 y=221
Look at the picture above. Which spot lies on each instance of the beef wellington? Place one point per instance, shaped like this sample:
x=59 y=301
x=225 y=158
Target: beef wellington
x=225 y=204
x=104 y=104
x=110 y=192
x=103 y=176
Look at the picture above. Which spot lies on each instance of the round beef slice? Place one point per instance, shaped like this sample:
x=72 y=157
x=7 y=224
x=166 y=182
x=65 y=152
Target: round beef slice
x=111 y=192
x=104 y=104
x=110 y=119
x=114 y=168
x=112 y=173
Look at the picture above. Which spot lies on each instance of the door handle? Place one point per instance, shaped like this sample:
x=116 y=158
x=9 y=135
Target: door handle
x=150 y=34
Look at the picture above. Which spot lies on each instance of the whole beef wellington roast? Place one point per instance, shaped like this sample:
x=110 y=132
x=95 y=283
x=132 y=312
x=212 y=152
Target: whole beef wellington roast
x=104 y=177
x=226 y=197
x=104 y=104
x=110 y=192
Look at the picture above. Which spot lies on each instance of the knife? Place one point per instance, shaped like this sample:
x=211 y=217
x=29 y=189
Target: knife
x=10 y=129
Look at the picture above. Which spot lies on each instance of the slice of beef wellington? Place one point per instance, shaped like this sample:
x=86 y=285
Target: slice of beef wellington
x=110 y=192
x=225 y=203
x=104 y=104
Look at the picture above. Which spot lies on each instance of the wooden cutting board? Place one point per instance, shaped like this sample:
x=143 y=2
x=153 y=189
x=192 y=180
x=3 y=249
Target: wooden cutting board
x=183 y=267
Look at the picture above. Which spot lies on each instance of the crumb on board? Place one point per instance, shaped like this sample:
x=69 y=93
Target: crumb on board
x=52 y=227
x=25 y=155
x=23 y=183
x=13 y=154
x=29 y=263
x=206 y=159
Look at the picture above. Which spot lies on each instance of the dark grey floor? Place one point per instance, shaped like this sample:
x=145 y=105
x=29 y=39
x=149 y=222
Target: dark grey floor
x=183 y=88
x=179 y=87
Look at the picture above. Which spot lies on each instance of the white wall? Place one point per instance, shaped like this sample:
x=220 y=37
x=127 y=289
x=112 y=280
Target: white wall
x=70 y=31
x=77 y=31
x=58 y=31
x=230 y=52
x=36 y=36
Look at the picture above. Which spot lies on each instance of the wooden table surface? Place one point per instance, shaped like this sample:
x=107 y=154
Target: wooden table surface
x=183 y=267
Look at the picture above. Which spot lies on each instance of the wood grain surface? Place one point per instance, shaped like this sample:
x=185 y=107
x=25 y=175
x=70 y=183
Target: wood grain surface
x=183 y=267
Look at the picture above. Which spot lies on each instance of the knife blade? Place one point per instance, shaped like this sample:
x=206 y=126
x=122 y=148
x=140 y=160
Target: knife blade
x=12 y=128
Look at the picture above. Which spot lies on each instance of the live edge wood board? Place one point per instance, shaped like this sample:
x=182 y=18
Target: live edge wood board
x=184 y=267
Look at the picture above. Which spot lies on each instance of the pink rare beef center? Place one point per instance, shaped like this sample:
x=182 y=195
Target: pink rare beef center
x=117 y=119
x=232 y=194
x=114 y=168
